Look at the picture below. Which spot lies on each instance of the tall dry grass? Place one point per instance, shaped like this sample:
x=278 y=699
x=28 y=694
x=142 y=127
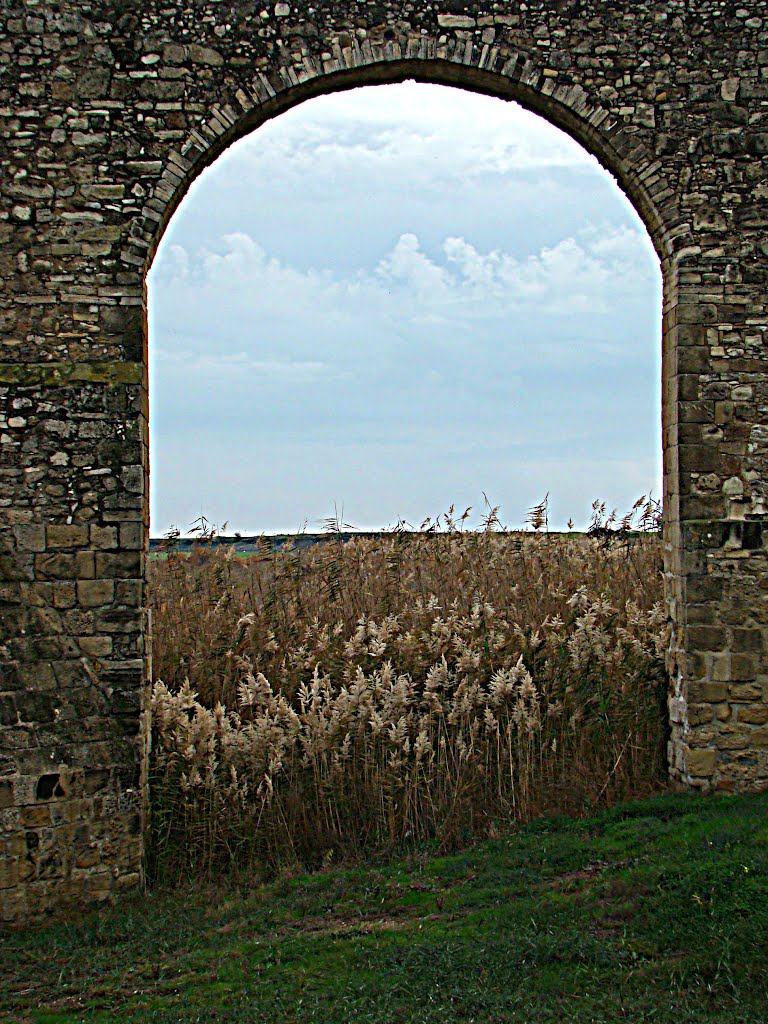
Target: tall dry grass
x=328 y=702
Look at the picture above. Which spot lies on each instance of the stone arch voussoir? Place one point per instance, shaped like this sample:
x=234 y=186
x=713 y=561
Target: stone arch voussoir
x=492 y=70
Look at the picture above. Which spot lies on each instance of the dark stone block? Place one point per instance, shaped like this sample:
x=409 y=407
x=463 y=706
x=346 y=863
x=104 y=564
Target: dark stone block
x=8 y=713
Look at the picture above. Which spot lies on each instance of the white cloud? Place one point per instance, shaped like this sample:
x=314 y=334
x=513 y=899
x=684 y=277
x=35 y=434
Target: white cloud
x=229 y=367
x=336 y=180
x=174 y=265
x=577 y=276
x=416 y=124
x=409 y=268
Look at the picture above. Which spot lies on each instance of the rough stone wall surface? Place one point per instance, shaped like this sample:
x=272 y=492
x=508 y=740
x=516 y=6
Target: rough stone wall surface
x=108 y=111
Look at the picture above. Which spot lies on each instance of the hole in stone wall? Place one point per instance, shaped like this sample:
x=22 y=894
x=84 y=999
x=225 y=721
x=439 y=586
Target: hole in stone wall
x=747 y=535
x=49 y=786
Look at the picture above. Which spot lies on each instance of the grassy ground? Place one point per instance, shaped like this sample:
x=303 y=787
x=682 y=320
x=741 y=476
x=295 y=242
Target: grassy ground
x=652 y=911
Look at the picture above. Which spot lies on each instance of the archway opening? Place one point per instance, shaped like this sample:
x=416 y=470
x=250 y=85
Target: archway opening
x=396 y=329
x=393 y=299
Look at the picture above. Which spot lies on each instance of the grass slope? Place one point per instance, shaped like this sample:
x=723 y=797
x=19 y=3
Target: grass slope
x=652 y=911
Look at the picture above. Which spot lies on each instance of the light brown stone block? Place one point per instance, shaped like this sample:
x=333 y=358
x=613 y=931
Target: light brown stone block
x=700 y=763
x=754 y=714
x=66 y=537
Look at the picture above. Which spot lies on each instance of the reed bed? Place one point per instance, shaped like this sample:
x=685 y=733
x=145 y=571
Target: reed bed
x=334 y=702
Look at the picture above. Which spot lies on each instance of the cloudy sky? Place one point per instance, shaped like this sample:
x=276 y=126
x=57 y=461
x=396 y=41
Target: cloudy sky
x=397 y=298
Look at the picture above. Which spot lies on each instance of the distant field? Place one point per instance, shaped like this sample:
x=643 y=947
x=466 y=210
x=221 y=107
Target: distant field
x=246 y=545
x=252 y=544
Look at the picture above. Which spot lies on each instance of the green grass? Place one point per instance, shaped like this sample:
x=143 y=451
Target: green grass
x=652 y=911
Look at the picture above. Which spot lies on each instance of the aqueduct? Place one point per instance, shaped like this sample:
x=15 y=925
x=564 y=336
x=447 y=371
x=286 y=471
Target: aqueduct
x=108 y=111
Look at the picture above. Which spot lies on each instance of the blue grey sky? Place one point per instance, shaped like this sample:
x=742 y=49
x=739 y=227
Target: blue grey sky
x=393 y=299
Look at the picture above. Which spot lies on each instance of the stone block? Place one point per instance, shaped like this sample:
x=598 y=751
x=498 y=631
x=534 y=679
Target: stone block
x=6 y=794
x=129 y=881
x=455 y=21
x=103 y=538
x=132 y=536
x=119 y=620
x=743 y=667
x=162 y=90
x=712 y=693
x=733 y=739
x=99 y=885
x=204 y=55
x=700 y=714
x=706 y=638
x=108 y=192
x=30 y=538
x=121 y=565
x=129 y=592
x=62 y=566
x=64 y=594
x=36 y=816
x=753 y=714
x=719 y=668
x=740 y=692
x=95 y=593
x=95 y=646
x=38 y=677
x=9 y=713
x=747 y=640
x=66 y=536
x=700 y=763
x=9 y=872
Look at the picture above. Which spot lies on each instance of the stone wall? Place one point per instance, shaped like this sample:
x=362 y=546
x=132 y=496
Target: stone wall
x=108 y=112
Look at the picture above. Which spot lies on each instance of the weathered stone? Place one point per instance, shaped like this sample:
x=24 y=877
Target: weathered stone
x=205 y=55
x=730 y=88
x=95 y=593
x=100 y=143
x=174 y=54
x=30 y=538
x=700 y=763
x=96 y=646
x=455 y=21
x=103 y=538
x=754 y=714
x=66 y=537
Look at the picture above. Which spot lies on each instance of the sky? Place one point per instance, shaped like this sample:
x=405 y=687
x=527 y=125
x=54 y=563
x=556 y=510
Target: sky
x=395 y=299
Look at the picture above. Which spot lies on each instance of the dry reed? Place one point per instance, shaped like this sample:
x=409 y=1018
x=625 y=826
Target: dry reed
x=327 y=702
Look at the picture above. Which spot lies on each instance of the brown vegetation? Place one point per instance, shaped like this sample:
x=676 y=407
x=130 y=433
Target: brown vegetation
x=326 y=702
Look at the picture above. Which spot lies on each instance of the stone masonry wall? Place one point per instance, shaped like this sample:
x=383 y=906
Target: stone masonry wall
x=108 y=112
